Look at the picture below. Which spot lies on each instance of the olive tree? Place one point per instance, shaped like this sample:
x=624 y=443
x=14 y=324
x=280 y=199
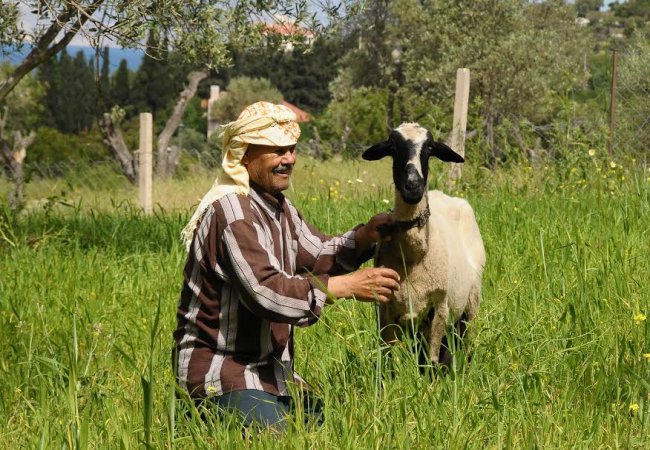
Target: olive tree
x=19 y=116
x=200 y=32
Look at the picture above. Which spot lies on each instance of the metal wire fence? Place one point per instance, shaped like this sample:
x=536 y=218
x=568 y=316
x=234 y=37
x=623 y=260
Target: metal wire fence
x=631 y=133
x=101 y=184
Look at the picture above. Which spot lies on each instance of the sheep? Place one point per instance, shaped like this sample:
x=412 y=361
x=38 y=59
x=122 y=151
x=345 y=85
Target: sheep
x=434 y=244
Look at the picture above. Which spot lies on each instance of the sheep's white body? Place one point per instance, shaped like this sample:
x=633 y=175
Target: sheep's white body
x=440 y=265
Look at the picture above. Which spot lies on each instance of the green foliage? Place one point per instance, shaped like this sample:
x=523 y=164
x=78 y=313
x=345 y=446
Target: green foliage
x=634 y=87
x=583 y=7
x=521 y=55
x=307 y=87
x=24 y=104
x=632 y=8
x=155 y=86
x=241 y=92
x=104 y=85
x=120 y=86
x=200 y=32
x=9 y=24
x=71 y=106
x=52 y=148
x=361 y=115
x=195 y=117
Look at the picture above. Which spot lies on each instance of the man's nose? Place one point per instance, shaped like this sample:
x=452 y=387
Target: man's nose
x=289 y=157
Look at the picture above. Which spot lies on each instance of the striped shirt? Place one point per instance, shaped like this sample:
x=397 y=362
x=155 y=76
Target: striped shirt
x=255 y=269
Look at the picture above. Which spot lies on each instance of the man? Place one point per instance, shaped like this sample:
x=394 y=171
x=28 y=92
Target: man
x=255 y=269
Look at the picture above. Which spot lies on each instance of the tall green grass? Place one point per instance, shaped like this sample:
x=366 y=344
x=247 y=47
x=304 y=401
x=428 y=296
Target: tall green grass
x=560 y=349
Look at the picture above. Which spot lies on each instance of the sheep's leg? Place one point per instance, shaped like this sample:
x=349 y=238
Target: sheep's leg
x=472 y=304
x=437 y=330
x=468 y=315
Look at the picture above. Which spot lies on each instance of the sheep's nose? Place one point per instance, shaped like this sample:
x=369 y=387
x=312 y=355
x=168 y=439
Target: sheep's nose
x=413 y=178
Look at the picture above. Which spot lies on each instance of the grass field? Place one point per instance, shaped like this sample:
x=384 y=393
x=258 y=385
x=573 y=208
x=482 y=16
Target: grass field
x=561 y=346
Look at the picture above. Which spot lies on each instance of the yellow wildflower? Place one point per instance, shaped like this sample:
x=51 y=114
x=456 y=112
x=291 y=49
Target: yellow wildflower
x=359 y=180
x=647 y=356
x=634 y=408
x=386 y=201
x=211 y=390
x=612 y=164
x=592 y=152
x=638 y=318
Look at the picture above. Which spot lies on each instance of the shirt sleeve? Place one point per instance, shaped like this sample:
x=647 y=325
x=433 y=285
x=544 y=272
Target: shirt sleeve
x=268 y=291
x=319 y=253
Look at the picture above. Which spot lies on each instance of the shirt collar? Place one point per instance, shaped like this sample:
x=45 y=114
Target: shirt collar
x=273 y=203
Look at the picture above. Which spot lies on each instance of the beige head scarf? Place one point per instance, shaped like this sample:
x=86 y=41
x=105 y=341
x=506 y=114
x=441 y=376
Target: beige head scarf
x=261 y=123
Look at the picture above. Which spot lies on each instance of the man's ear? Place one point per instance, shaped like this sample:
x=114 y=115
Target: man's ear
x=378 y=151
x=444 y=153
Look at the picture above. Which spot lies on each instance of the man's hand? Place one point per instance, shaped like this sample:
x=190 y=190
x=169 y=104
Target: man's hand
x=369 y=233
x=366 y=285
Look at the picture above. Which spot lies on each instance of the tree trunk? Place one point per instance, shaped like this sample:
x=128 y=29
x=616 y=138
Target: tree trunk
x=114 y=139
x=168 y=157
x=16 y=158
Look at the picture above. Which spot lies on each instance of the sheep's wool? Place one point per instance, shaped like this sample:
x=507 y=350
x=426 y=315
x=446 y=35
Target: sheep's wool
x=261 y=123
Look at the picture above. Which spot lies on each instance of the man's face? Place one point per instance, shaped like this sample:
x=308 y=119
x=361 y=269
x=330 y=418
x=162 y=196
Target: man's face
x=270 y=166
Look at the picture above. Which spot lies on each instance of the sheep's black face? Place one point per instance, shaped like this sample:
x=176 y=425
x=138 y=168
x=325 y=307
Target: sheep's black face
x=410 y=163
x=411 y=145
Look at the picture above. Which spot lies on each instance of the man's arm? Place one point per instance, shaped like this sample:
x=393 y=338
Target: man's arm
x=270 y=292
x=322 y=254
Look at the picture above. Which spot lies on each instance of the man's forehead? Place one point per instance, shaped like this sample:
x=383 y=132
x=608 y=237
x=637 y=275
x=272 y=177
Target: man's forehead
x=260 y=149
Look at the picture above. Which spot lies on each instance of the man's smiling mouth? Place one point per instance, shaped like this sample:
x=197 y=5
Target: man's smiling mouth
x=283 y=170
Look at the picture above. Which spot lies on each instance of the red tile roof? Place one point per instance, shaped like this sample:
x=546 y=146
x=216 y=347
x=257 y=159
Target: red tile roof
x=301 y=115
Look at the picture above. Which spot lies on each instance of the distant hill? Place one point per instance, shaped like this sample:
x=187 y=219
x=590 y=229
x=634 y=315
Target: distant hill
x=133 y=57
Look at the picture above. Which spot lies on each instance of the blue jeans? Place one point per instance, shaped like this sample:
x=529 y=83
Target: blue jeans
x=264 y=409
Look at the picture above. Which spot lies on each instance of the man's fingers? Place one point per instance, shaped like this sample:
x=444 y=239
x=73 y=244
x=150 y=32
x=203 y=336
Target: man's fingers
x=388 y=273
x=391 y=284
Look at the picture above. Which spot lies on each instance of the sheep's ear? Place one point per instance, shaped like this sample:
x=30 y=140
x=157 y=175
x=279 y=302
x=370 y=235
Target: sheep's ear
x=444 y=153
x=378 y=151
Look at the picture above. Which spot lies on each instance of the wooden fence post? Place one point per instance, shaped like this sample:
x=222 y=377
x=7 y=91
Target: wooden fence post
x=457 y=141
x=145 y=172
x=612 y=107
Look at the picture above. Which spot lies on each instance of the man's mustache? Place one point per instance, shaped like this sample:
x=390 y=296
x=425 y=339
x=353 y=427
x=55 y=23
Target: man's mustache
x=283 y=168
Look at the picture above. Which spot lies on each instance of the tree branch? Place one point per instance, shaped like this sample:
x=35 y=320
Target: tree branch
x=114 y=139
x=42 y=51
x=166 y=163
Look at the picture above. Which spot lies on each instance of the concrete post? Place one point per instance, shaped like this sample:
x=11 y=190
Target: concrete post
x=145 y=162
x=457 y=141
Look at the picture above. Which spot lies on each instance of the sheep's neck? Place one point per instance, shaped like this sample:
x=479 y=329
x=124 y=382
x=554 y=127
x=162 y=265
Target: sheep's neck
x=414 y=242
